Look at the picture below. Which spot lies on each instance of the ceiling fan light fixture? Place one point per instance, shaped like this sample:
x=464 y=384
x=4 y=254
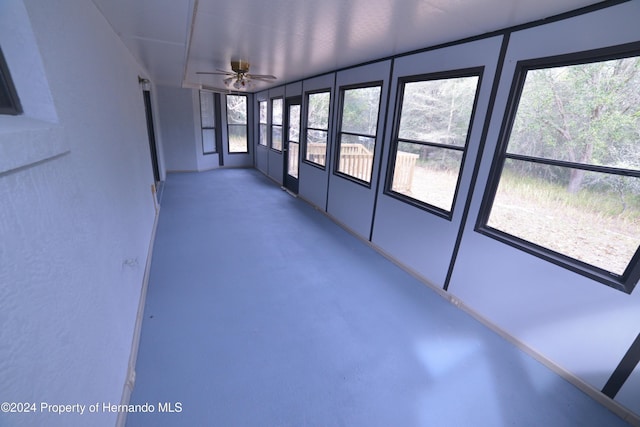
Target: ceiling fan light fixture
x=240 y=78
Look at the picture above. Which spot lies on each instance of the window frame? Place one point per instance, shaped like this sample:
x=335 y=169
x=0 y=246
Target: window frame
x=245 y=124
x=395 y=140
x=260 y=123
x=214 y=128
x=630 y=277
x=280 y=125
x=307 y=128
x=8 y=88
x=339 y=133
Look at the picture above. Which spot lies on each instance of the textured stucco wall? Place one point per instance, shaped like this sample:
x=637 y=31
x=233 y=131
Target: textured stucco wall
x=75 y=229
x=176 y=115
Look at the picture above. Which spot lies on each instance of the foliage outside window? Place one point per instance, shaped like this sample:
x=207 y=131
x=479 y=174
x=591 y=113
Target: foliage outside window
x=208 y=122
x=358 y=128
x=276 y=124
x=293 y=139
x=569 y=184
x=317 y=127
x=435 y=118
x=263 y=123
x=237 y=123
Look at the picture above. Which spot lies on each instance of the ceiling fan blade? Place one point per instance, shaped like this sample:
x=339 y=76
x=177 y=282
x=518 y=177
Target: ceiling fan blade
x=261 y=79
x=261 y=76
x=218 y=73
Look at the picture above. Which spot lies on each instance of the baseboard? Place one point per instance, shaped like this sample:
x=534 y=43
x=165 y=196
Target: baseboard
x=135 y=343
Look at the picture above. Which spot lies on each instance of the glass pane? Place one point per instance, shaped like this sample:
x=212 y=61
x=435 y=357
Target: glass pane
x=356 y=156
x=208 y=141
x=438 y=110
x=236 y=109
x=276 y=138
x=237 y=138
x=599 y=224
x=360 y=110
x=294 y=155
x=588 y=113
x=263 y=111
x=428 y=174
x=276 y=111
x=317 y=146
x=206 y=110
x=294 y=123
x=318 y=116
x=263 y=135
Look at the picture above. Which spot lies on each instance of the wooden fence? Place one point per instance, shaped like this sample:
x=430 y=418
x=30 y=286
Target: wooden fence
x=357 y=161
x=403 y=172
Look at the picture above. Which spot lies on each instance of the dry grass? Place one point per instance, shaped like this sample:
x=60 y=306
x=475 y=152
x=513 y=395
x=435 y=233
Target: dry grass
x=433 y=187
x=237 y=145
x=588 y=226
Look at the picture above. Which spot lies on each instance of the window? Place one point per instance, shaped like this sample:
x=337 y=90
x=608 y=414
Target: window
x=317 y=127
x=237 y=123
x=293 y=140
x=357 y=136
x=263 y=123
x=9 y=101
x=276 y=124
x=208 y=122
x=567 y=184
x=431 y=138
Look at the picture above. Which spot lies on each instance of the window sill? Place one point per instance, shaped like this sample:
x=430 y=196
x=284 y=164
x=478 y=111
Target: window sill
x=25 y=142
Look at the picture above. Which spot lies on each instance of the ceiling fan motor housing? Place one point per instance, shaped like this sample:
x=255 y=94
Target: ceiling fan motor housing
x=240 y=66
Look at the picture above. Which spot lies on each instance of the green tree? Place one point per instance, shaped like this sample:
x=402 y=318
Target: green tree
x=586 y=113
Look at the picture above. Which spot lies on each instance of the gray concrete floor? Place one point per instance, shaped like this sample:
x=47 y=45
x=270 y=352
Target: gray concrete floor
x=263 y=312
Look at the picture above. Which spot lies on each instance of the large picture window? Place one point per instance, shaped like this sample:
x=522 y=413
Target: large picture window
x=358 y=131
x=237 y=123
x=208 y=122
x=317 y=127
x=262 y=140
x=276 y=124
x=431 y=137
x=567 y=187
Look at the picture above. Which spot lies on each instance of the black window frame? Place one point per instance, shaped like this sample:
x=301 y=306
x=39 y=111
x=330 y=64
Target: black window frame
x=630 y=277
x=215 y=129
x=246 y=123
x=266 y=123
x=281 y=125
x=395 y=140
x=307 y=128
x=339 y=133
x=8 y=95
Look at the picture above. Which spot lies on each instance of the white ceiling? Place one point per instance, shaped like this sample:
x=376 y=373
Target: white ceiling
x=294 y=39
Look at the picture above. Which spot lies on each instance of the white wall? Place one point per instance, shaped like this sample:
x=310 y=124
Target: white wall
x=177 y=124
x=179 y=117
x=314 y=179
x=74 y=229
x=349 y=202
x=428 y=240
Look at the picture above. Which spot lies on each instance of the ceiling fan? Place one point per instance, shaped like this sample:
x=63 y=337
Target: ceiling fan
x=240 y=78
